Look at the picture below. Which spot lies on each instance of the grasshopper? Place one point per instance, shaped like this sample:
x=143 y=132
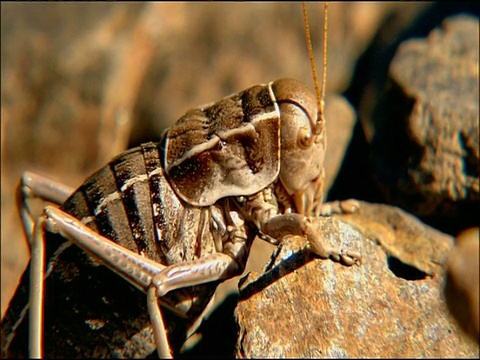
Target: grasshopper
x=177 y=217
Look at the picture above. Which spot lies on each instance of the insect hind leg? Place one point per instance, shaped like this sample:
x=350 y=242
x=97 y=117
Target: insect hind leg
x=134 y=268
x=37 y=295
x=159 y=328
x=37 y=186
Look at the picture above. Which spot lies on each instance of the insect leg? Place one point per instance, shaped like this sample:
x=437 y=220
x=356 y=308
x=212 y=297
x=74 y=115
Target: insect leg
x=295 y=224
x=213 y=267
x=37 y=271
x=159 y=327
x=136 y=269
x=143 y=272
x=192 y=338
x=36 y=186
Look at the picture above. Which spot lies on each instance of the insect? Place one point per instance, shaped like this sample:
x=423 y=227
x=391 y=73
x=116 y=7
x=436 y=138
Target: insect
x=177 y=217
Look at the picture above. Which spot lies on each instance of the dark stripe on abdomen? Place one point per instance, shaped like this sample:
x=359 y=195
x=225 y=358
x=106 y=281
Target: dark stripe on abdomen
x=167 y=208
x=105 y=204
x=132 y=182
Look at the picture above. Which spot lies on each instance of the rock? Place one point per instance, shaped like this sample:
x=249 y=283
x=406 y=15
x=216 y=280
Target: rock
x=341 y=119
x=425 y=131
x=463 y=267
x=390 y=306
x=414 y=250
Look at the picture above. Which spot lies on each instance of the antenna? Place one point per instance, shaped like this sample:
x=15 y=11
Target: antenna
x=320 y=96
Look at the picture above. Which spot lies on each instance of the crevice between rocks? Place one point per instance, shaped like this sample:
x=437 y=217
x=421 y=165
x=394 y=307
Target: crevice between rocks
x=405 y=271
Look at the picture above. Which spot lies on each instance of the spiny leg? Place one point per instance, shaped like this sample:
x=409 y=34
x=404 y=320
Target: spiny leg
x=58 y=223
x=159 y=328
x=137 y=269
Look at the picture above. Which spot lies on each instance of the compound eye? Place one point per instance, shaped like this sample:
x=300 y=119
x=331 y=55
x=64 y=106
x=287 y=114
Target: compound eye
x=305 y=138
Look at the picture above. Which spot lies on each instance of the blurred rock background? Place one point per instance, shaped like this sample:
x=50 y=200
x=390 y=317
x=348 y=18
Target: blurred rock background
x=83 y=81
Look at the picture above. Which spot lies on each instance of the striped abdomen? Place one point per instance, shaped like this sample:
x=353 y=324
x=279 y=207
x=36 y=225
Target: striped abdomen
x=131 y=202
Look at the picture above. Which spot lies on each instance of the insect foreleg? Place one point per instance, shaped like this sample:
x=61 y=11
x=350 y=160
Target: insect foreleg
x=277 y=226
x=295 y=224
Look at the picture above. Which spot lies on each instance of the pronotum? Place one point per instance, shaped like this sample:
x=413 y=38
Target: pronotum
x=182 y=214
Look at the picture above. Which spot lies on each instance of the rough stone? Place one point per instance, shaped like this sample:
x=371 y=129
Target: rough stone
x=392 y=305
x=464 y=267
x=425 y=127
x=340 y=118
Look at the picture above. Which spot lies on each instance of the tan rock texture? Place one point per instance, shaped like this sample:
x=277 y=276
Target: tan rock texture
x=390 y=306
x=424 y=131
x=464 y=267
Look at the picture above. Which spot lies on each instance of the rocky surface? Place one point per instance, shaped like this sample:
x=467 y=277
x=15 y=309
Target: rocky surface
x=463 y=290
x=416 y=92
x=392 y=305
x=430 y=114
